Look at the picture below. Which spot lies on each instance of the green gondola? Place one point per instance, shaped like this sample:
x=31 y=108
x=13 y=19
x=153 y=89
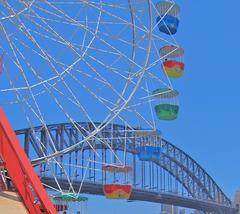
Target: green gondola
x=70 y=197
x=167 y=111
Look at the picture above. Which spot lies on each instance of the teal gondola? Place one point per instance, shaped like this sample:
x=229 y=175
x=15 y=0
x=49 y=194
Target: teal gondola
x=167 y=111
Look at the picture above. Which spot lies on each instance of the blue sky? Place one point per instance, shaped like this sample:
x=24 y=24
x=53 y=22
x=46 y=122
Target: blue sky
x=208 y=126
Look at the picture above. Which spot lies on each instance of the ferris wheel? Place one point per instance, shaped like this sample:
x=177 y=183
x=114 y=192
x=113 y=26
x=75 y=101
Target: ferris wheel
x=96 y=62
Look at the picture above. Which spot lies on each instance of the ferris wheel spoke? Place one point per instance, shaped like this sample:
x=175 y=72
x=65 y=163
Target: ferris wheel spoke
x=74 y=24
x=144 y=29
x=53 y=166
x=14 y=14
x=40 y=116
x=104 y=41
x=60 y=39
x=91 y=92
x=21 y=101
x=103 y=23
x=54 y=77
x=84 y=60
x=60 y=106
x=41 y=57
x=132 y=82
x=76 y=79
x=90 y=4
x=110 y=5
x=54 y=69
x=92 y=47
x=51 y=31
x=93 y=69
x=114 y=16
x=155 y=36
x=33 y=70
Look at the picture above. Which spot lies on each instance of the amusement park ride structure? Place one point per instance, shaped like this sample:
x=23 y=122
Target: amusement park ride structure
x=21 y=172
x=104 y=66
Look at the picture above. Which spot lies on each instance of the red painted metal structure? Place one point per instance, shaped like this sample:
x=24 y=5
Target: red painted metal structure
x=21 y=171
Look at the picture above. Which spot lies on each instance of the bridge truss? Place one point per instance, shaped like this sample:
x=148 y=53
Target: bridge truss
x=175 y=179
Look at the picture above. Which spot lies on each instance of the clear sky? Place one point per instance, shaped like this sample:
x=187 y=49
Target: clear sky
x=208 y=127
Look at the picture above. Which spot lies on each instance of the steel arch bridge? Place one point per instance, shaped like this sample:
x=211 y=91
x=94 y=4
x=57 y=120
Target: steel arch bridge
x=175 y=179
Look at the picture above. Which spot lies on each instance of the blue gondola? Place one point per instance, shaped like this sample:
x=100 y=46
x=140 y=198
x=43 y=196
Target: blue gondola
x=168 y=24
x=149 y=153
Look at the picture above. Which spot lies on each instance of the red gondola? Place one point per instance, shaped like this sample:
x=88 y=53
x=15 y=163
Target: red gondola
x=173 y=64
x=119 y=187
x=173 y=68
x=117 y=191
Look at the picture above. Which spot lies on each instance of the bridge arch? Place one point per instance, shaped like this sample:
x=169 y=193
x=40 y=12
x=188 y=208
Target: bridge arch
x=197 y=188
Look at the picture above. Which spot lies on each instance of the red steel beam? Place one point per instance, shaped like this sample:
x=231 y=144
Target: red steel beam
x=21 y=171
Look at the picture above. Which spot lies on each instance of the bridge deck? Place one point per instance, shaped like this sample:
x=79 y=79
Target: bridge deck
x=10 y=203
x=149 y=196
x=175 y=178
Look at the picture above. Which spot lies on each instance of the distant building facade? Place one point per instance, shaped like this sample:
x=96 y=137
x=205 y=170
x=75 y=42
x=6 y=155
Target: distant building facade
x=198 y=212
x=182 y=211
x=237 y=201
x=169 y=209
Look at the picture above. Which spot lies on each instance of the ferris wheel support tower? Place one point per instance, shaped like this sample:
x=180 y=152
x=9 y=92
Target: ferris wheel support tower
x=21 y=171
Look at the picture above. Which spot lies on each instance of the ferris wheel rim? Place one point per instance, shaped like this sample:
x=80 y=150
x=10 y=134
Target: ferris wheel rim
x=56 y=156
x=105 y=123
